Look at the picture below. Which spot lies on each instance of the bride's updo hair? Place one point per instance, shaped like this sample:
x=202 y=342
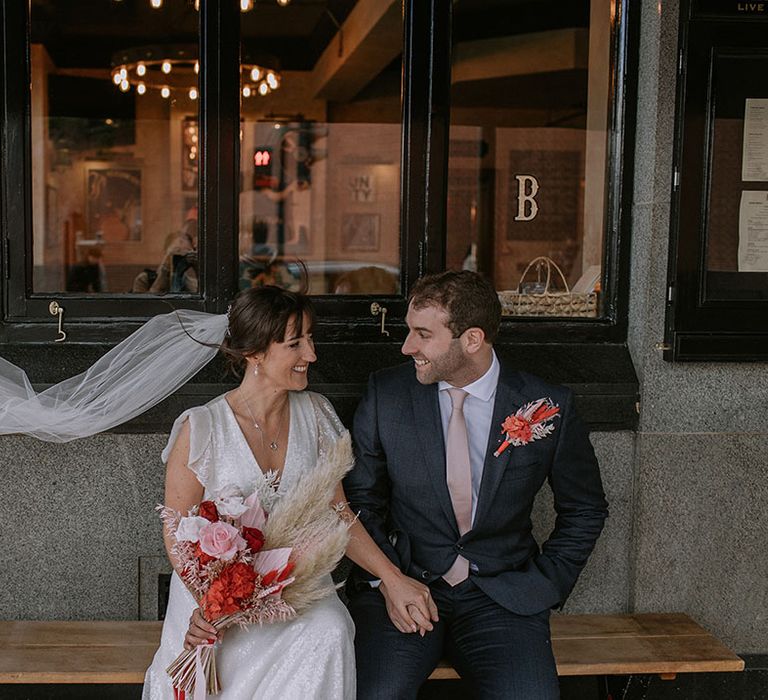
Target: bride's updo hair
x=259 y=317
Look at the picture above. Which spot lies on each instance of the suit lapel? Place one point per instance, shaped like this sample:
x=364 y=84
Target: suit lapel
x=429 y=429
x=508 y=400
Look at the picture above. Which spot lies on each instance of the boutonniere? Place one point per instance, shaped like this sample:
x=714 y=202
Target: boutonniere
x=530 y=422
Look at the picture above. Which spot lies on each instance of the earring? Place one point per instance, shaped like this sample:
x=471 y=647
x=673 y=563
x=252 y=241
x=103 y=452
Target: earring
x=256 y=370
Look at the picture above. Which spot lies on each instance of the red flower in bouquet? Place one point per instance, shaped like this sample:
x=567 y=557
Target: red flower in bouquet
x=202 y=557
x=208 y=511
x=254 y=537
x=226 y=594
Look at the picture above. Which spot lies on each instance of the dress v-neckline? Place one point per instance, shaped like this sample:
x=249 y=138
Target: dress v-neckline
x=270 y=474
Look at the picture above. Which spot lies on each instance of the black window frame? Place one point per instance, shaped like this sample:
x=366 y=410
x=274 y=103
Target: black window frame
x=699 y=328
x=590 y=355
x=425 y=128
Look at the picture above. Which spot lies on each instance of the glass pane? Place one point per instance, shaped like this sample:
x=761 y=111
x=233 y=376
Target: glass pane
x=527 y=162
x=737 y=221
x=320 y=146
x=114 y=146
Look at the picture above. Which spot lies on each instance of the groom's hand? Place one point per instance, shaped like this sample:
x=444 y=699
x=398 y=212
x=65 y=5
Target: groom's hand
x=409 y=604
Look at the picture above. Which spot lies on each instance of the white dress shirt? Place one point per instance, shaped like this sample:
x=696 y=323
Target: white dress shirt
x=478 y=413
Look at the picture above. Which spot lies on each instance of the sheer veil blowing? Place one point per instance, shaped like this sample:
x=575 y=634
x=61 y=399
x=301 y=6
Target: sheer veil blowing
x=132 y=377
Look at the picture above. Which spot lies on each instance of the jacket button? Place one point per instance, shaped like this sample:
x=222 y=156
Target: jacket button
x=425 y=575
x=460 y=547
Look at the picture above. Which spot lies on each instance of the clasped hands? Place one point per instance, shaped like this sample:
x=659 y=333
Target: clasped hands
x=409 y=604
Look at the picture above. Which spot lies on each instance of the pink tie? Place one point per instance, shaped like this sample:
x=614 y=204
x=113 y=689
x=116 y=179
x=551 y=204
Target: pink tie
x=459 y=477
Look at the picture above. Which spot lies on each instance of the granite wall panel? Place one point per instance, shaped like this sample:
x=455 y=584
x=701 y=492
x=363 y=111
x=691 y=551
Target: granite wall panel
x=701 y=518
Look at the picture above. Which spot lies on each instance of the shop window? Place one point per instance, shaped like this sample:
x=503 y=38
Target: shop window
x=366 y=141
x=529 y=159
x=114 y=148
x=320 y=145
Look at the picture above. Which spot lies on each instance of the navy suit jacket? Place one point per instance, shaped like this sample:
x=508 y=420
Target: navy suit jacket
x=398 y=486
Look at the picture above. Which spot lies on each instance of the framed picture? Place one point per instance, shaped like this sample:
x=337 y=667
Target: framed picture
x=114 y=204
x=360 y=232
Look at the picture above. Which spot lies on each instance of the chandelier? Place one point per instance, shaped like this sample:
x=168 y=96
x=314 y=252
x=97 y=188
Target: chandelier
x=174 y=68
x=245 y=5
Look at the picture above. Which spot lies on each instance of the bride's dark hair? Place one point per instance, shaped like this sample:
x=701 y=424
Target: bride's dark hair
x=259 y=317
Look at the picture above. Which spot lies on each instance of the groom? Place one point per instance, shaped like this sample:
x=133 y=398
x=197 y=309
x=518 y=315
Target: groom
x=447 y=495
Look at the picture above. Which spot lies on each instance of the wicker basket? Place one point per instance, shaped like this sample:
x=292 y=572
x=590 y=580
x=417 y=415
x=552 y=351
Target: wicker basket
x=548 y=302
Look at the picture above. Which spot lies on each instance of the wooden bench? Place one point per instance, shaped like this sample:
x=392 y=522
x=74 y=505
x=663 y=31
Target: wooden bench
x=584 y=645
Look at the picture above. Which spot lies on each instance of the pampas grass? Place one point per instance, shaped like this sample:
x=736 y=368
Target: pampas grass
x=304 y=520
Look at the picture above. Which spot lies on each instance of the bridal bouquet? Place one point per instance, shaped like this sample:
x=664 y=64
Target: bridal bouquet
x=248 y=566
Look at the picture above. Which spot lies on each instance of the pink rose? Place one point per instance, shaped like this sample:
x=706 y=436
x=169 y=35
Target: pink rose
x=221 y=540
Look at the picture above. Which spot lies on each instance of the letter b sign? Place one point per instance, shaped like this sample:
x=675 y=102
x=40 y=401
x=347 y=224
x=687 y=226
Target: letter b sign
x=527 y=188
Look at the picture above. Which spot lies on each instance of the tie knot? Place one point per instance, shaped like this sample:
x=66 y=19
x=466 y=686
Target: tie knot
x=457 y=398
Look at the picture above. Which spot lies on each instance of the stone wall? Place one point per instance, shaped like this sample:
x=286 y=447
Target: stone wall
x=700 y=468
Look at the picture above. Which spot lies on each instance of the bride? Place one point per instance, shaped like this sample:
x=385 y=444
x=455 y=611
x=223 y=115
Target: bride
x=260 y=437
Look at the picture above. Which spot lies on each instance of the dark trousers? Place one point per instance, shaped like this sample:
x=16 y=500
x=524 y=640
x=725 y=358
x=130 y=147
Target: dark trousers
x=501 y=654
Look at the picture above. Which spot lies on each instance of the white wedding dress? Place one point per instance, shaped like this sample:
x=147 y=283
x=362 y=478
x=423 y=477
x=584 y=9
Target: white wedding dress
x=309 y=657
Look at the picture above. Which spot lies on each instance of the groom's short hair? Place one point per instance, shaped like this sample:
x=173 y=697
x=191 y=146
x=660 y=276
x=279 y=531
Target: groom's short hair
x=467 y=297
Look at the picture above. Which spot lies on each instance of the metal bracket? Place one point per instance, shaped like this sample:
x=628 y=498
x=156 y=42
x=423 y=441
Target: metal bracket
x=379 y=310
x=56 y=309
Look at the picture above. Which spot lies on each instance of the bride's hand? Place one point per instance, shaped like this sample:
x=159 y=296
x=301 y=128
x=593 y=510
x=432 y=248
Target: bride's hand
x=409 y=604
x=200 y=631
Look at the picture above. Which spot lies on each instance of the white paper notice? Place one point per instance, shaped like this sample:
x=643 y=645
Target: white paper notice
x=754 y=157
x=753 y=231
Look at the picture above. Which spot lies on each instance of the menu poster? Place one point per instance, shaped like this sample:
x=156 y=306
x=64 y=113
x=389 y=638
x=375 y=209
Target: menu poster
x=753 y=231
x=754 y=157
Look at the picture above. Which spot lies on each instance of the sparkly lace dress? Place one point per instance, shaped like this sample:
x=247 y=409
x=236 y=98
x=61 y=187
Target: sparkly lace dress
x=309 y=657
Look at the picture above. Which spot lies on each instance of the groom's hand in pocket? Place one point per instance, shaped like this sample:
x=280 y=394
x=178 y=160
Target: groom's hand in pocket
x=409 y=604
x=200 y=631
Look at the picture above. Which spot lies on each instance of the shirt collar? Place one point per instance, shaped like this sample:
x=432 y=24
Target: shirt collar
x=483 y=388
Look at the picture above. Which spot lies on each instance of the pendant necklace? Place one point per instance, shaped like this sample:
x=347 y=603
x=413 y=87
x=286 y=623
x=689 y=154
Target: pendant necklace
x=273 y=444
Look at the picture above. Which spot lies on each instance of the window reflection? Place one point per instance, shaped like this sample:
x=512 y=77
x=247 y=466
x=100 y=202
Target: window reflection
x=527 y=161
x=320 y=157
x=114 y=147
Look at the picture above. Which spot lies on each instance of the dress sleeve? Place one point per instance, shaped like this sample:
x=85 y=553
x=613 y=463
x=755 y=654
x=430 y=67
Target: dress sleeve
x=329 y=425
x=199 y=441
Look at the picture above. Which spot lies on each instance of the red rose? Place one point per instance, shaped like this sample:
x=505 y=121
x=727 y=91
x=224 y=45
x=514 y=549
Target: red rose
x=208 y=511
x=254 y=537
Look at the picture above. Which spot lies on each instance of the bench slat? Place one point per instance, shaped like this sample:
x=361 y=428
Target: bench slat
x=640 y=624
x=120 y=652
x=75 y=633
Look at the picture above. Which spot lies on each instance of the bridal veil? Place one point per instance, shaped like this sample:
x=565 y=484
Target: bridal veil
x=135 y=375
